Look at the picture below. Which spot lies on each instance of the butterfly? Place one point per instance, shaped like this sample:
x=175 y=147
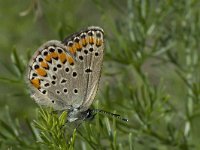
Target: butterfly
x=65 y=74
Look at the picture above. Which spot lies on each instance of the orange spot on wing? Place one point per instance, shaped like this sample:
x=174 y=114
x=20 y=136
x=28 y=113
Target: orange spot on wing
x=83 y=42
x=91 y=40
x=62 y=57
x=48 y=57
x=77 y=45
x=36 y=83
x=99 y=42
x=41 y=72
x=70 y=59
x=72 y=49
x=80 y=46
x=44 y=65
x=54 y=54
x=87 y=40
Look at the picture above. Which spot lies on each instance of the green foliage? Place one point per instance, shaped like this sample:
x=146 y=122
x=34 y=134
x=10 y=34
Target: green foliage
x=150 y=74
x=52 y=131
x=14 y=135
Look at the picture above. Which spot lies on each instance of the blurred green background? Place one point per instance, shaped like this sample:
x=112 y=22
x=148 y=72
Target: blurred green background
x=150 y=73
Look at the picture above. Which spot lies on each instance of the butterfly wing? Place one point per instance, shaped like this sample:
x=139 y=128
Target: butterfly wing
x=65 y=75
x=88 y=48
x=46 y=77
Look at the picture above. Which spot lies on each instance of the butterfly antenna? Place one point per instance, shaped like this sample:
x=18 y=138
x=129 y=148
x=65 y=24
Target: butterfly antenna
x=109 y=114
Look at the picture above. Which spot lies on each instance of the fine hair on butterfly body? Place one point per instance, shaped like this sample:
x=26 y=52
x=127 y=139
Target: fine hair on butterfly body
x=65 y=74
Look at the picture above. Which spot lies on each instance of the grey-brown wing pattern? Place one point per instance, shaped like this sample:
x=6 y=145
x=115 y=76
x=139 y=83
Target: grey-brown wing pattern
x=65 y=75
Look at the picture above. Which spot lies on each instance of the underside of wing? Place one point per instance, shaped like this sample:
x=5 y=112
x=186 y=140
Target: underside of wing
x=65 y=75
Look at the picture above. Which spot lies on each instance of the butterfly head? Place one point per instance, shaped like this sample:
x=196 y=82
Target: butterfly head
x=88 y=115
x=76 y=114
